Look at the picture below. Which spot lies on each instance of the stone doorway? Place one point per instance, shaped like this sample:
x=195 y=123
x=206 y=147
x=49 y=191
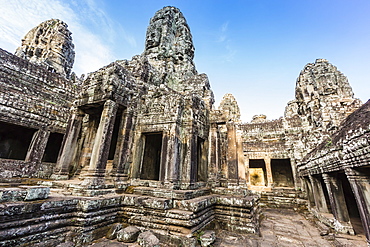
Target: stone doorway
x=282 y=174
x=151 y=156
x=257 y=172
x=53 y=147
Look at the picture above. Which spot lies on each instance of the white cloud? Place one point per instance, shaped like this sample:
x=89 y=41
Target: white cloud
x=225 y=26
x=230 y=52
x=223 y=29
x=85 y=20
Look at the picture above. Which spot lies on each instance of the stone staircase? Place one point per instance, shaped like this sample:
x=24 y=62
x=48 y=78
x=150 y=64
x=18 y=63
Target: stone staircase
x=283 y=198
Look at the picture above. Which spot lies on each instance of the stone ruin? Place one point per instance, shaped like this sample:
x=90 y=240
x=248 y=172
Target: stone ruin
x=140 y=143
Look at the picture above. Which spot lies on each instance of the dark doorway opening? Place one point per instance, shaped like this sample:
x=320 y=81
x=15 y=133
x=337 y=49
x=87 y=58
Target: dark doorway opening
x=282 y=174
x=151 y=156
x=53 y=147
x=14 y=141
x=257 y=172
x=201 y=161
x=353 y=211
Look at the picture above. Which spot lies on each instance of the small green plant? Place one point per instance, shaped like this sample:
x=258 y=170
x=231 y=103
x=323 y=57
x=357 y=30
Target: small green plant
x=198 y=234
x=328 y=143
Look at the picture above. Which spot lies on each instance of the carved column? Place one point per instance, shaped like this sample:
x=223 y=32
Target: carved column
x=269 y=172
x=241 y=160
x=123 y=147
x=37 y=147
x=69 y=145
x=309 y=191
x=213 y=155
x=319 y=195
x=170 y=159
x=360 y=184
x=338 y=202
x=100 y=152
x=232 y=157
x=193 y=159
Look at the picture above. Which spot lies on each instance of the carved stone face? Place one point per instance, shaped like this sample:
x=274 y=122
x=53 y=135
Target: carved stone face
x=169 y=47
x=49 y=44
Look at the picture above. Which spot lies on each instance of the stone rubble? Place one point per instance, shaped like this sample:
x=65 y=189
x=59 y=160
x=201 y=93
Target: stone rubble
x=128 y=234
x=148 y=239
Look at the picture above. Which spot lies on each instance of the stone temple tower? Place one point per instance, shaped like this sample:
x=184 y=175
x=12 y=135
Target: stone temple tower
x=49 y=44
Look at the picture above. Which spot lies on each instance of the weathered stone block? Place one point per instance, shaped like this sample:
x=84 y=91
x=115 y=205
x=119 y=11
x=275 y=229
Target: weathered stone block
x=195 y=204
x=148 y=239
x=12 y=194
x=112 y=233
x=36 y=192
x=128 y=235
x=207 y=238
x=157 y=203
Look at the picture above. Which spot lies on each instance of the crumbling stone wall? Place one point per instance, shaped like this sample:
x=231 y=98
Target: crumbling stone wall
x=341 y=159
x=34 y=98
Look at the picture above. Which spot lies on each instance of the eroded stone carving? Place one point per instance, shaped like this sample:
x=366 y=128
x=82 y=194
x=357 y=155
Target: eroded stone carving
x=49 y=44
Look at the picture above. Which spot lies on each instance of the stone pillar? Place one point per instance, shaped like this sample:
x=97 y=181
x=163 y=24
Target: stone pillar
x=213 y=156
x=193 y=159
x=232 y=157
x=170 y=160
x=338 y=203
x=319 y=196
x=69 y=145
x=309 y=191
x=100 y=152
x=37 y=147
x=241 y=160
x=360 y=184
x=120 y=171
x=247 y=173
x=270 y=181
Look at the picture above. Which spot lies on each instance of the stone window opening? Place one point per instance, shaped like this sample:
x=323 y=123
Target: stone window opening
x=151 y=159
x=53 y=147
x=257 y=172
x=282 y=174
x=15 y=141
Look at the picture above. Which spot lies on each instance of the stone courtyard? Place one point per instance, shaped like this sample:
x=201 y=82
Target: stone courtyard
x=138 y=151
x=279 y=227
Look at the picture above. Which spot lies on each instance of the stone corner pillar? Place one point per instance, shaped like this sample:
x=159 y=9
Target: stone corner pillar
x=360 y=184
x=338 y=203
x=69 y=144
x=37 y=147
x=95 y=176
x=319 y=196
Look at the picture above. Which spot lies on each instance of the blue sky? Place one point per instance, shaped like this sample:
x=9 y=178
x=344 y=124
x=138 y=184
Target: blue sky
x=252 y=49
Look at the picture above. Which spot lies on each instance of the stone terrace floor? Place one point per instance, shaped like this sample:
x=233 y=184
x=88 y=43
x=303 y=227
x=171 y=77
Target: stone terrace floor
x=279 y=227
x=285 y=227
